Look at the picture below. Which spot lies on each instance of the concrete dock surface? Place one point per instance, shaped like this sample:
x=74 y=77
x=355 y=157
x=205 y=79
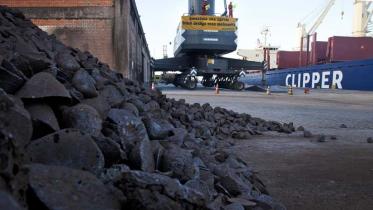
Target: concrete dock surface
x=302 y=172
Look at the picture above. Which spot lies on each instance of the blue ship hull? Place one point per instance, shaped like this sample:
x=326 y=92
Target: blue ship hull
x=351 y=75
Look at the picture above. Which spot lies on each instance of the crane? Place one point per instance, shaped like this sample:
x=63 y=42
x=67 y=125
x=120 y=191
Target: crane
x=362 y=17
x=315 y=26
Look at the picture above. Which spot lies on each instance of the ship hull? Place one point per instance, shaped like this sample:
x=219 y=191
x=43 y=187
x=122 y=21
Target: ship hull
x=351 y=75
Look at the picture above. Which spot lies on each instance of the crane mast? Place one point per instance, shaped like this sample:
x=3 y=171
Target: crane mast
x=322 y=16
x=303 y=33
x=362 y=17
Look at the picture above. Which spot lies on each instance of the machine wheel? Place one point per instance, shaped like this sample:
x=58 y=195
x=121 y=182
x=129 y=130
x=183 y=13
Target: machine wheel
x=186 y=81
x=238 y=85
x=191 y=84
x=208 y=81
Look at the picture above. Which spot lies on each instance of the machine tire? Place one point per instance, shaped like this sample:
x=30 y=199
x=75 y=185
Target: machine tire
x=239 y=86
x=192 y=84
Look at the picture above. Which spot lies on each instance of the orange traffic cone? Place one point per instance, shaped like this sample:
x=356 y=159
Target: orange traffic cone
x=217 y=91
x=290 y=91
x=153 y=86
x=306 y=91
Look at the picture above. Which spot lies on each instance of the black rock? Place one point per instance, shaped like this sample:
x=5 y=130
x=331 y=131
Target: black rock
x=67 y=62
x=44 y=86
x=343 y=126
x=234 y=206
x=158 y=129
x=130 y=107
x=177 y=136
x=112 y=95
x=111 y=150
x=7 y=202
x=307 y=134
x=43 y=118
x=68 y=148
x=300 y=128
x=158 y=184
x=202 y=187
x=84 y=83
x=100 y=104
x=234 y=184
x=44 y=114
x=247 y=204
x=321 y=139
x=267 y=202
x=15 y=120
x=83 y=117
x=58 y=187
x=151 y=106
x=139 y=104
x=141 y=156
x=370 y=140
x=129 y=127
x=11 y=80
x=179 y=161
x=113 y=173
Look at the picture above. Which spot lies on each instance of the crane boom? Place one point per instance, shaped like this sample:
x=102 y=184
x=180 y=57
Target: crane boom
x=322 y=16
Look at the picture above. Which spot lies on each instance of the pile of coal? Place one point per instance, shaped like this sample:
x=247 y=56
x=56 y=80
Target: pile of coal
x=76 y=135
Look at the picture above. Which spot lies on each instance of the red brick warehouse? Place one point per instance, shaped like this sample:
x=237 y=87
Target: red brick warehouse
x=110 y=29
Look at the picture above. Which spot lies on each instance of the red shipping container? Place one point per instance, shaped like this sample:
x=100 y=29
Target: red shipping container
x=349 y=48
x=290 y=59
x=318 y=52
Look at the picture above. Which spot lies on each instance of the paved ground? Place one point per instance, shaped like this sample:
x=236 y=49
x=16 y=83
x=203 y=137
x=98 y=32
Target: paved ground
x=303 y=173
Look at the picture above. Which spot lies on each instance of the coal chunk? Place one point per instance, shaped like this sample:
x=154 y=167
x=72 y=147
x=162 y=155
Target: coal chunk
x=370 y=140
x=112 y=95
x=67 y=62
x=179 y=161
x=158 y=184
x=68 y=148
x=234 y=206
x=59 y=187
x=100 y=104
x=43 y=118
x=130 y=107
x=7 y=202
x=43 y=85
x=83 y=117
x=11 y=79
x=343 y=126
x=15 y=120
x=84 y=83
x=111 y=150
x=307 y=134
x=129 y=127
x=321 y=139
x=141 y=156
x=44 y=114
x=177 y=136
x=158 y=129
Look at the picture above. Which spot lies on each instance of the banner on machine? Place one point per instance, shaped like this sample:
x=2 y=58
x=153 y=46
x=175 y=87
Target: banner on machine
x=211 y=23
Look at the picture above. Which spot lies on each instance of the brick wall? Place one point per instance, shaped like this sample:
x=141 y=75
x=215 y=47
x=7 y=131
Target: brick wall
x=109 y=29
x=90 y=35
x=56 y=3
x=93 y=35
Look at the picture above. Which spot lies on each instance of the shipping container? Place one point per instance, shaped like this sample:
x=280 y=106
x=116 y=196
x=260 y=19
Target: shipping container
x=318 y=52
x=349 y=48
x=290 y=59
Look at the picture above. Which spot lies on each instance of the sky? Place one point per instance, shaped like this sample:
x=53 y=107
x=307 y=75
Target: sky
x=160 y=19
